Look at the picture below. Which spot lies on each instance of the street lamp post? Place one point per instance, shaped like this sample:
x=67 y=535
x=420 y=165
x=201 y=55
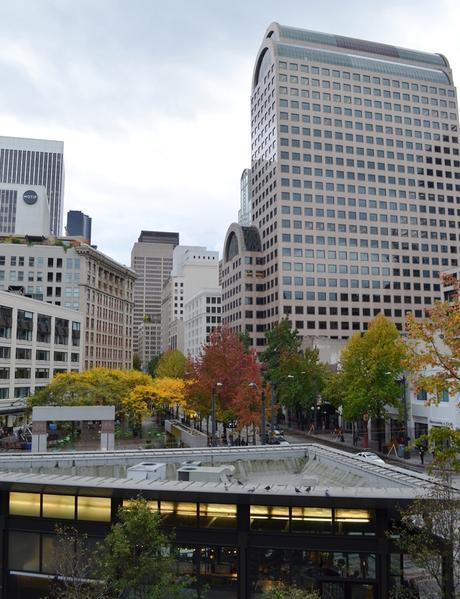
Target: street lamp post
x=404 y=403
x=213 y=413
x=263 y=432
x=272 y=409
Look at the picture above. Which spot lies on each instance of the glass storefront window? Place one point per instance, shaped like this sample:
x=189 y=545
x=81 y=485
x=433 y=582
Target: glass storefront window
x=219 y=571
x=59 y=506
x=267 y=517
x=355 y=522
x=217 y=515
x=311 y=519
x=94 y=508
x=175 y=513
x=50 y=548
x=24 y=551
x=24 y=504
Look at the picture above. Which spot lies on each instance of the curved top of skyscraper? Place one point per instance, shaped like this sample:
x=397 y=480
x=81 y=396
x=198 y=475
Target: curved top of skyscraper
x=291 y=42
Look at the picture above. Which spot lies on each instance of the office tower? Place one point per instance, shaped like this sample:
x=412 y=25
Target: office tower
x=151 y=259
x=78 y=225
x=194 y=274
x=245 y=212
x=36 y=162
x=355 y=183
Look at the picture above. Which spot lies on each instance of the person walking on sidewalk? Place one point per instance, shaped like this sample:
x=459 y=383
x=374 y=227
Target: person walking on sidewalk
x=421 y=452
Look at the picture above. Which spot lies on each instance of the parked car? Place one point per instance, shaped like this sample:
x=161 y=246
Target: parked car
x=370 y=457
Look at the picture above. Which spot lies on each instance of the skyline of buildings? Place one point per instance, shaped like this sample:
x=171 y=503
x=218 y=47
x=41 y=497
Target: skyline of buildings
x=36 y=162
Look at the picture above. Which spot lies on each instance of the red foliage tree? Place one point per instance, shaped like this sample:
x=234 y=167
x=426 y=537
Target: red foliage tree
x=225 y=360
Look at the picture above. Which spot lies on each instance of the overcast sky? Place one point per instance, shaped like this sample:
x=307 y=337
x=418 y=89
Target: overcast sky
x=152 y=98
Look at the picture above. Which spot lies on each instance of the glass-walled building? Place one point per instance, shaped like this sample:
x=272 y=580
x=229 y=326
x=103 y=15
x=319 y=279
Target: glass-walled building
x=316 y=518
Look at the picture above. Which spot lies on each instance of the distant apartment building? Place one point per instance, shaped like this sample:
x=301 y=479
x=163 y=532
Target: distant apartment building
x=78 y=225
x=37 y=341
x=151 y=259
x=36 y=162
x=355 y=181
x=245 y=212
x=78 y=277
x=194 y=270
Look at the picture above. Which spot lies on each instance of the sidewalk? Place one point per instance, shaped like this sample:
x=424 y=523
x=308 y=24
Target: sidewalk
x=294 y=435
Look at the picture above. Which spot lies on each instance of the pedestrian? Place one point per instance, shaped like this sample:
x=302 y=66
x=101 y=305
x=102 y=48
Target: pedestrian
x=421 y=452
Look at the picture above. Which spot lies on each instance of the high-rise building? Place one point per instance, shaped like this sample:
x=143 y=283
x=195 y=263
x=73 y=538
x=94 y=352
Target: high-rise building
x=36 y=162
x=195 y=269
x=245 y=212
x=78 y=225
x=151 y=259
x=355 y=183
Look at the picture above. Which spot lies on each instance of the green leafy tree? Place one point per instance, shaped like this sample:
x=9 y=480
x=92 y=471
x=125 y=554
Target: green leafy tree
x=134 y=560
x=301 y=377
x=245 y=339
x=282 y=591
x=282 y=342
x=371 y=364
x=152 y=365
x=172 y=364
x=137 y=364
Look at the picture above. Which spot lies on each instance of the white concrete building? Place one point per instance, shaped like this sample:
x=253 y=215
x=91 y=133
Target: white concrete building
x=36 y=162
x=24 y=210
x=37 y=340
x=194 y=270
x=202 y=314
x=76 y=276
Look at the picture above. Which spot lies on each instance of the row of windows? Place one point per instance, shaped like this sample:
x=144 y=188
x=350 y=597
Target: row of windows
x=378 y=116
x=40 y=261
x=381 y=205
x=337 y=74
x=342 y=201
x=365 y=90
x=25 y=353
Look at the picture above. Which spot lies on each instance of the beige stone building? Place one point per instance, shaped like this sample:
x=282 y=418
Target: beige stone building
x=76 y=276
x=355 y=185
x=151 y=259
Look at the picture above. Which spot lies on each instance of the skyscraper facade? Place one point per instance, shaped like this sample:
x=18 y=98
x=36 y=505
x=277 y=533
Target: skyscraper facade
x=78 y=225
x=36 y=162
x=355 y=181
x=245 y=212
x=151 y=259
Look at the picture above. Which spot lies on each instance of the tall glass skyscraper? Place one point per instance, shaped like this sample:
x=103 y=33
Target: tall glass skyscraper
x=355 y=184
x=36 y=162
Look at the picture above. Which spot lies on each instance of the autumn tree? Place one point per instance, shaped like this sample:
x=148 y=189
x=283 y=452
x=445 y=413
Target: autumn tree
x=172 y=364
x=225 y=360
x=95 y=387
x=434 y=349
x=371 y=364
